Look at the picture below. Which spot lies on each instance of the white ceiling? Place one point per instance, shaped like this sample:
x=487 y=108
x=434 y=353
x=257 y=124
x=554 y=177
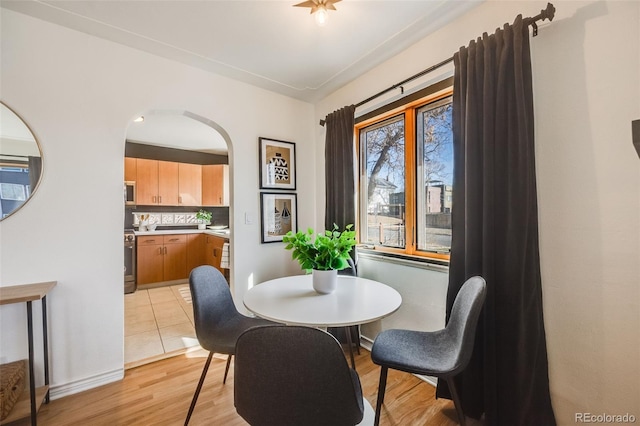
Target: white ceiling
x=266 y=43
x=175 y=130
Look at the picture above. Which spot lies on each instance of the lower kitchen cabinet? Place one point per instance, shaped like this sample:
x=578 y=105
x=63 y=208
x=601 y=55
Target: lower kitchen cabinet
x=196 y=245
x=214 y=247
x=161 y=258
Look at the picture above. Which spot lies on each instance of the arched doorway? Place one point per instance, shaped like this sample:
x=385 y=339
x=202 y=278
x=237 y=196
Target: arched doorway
x=182 y=146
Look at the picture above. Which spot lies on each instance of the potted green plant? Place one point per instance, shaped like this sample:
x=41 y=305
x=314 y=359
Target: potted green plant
x=325 y=254
x=204 y=218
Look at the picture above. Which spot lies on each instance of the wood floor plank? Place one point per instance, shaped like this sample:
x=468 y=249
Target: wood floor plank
x=160 y=394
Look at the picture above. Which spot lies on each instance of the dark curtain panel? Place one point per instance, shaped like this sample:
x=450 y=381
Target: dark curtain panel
x=35 y=169
x=495 y=230
x=339 y=168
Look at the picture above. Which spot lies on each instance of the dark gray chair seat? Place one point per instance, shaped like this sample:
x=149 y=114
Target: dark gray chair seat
x=443 y=353
x=293 y=376
x=218 y=323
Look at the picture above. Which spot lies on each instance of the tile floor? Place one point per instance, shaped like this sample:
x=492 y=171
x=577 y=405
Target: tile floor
x=157 y=321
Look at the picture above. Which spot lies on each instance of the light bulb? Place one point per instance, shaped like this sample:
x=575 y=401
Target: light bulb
x=321 y=16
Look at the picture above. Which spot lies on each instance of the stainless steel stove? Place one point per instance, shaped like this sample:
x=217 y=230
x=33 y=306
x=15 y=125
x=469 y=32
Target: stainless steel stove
x=129 y=261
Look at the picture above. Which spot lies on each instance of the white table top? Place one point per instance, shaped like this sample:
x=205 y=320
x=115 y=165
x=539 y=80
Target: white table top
x=292 y=300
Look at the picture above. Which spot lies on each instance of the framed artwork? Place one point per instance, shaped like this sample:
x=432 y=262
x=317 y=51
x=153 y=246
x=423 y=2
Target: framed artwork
x=279 y=215
x=277 y=164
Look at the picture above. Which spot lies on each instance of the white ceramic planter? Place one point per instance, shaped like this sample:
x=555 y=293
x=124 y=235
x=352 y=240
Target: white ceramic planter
x=202 y=226
x=324 y=282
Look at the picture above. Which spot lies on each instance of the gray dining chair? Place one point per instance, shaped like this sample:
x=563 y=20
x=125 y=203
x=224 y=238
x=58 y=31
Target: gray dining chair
x=294 y=375
x=217 y=322
x=442 y=354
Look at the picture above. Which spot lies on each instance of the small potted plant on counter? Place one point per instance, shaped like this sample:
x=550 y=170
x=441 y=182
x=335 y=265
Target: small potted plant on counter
x=204 y=218
x=325 y=254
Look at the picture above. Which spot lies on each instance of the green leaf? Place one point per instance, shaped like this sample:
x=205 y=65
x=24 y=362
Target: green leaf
x=324 y=251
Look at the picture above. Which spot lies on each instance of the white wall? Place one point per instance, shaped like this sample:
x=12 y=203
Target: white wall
x=78 y=94
x=586 y=65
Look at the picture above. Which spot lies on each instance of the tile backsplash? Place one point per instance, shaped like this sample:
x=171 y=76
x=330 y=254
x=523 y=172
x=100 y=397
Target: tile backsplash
x=167 y=219
x=173 y=216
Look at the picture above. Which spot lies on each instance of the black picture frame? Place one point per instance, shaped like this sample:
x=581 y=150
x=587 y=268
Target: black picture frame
x=278 y=215
x=277 y=164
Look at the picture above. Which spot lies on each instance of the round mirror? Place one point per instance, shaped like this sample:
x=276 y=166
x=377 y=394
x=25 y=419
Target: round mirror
x=20 y=162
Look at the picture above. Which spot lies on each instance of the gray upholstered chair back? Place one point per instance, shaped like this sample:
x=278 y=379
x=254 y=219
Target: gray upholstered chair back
x=290 y=375
x=212 y=304
x=352 y=270
x=460 y=330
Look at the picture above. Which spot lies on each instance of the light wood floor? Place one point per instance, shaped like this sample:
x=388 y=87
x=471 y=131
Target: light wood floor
x=160 y=394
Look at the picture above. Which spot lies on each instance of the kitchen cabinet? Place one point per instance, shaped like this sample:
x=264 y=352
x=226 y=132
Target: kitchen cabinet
x=175 y=260
x=168 y=184
x=165 y=183
x=214 y=246
x=215 y=185
x=156 y=182
x=161 y=258
x=146 y=181
x=130 y=169
x=189 y=184
x=196 y=246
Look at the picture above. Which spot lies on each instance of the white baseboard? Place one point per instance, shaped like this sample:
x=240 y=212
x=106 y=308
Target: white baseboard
x=71 y=388
x=367 y=343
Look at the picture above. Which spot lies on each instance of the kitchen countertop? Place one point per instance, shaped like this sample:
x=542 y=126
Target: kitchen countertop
x=223 y=234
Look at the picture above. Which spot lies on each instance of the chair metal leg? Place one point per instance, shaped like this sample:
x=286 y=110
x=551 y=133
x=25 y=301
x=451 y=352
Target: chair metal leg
x=381 y=388
x=357 y=342
x=195 y=395
x=347 y=332
x=456 y=401
x=226 y=369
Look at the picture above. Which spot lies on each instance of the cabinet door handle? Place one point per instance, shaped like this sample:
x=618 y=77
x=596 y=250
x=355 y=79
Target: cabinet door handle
x=180 y=199
x=160 y=250
x=159 y=198
x=174 y=239
x=220 y=198
x=165 y=250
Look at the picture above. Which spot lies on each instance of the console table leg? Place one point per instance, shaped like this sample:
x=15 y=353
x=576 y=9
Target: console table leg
x=32 y=385
x=45 y=342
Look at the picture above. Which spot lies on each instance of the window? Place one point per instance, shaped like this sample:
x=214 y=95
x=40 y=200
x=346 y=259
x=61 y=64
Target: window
x=384 y=189
x=406 y=177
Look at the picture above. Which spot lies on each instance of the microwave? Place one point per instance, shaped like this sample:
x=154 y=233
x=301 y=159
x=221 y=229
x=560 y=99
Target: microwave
x=129 y=193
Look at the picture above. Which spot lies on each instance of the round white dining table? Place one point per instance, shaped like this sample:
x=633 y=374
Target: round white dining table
x=293 y=301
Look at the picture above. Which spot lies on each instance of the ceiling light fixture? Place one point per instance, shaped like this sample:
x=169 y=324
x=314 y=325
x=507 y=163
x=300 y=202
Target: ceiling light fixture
x=320 y=8
x=139 y=119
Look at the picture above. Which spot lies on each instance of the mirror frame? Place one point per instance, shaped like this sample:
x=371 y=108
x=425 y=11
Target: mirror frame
x=33 y=190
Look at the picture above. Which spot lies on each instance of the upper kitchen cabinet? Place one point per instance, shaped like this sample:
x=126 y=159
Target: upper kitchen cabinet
x=130 y=169
x=165 y=183
x=189 y=184
x=156 y=182
x=215 y=185
x=146 y=181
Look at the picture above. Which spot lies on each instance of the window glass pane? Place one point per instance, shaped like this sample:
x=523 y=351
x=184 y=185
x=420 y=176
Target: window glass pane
x=434 y=177
x=383 y=189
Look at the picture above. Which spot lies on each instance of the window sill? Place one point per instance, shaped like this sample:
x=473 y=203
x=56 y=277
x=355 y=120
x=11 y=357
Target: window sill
x=402 y=259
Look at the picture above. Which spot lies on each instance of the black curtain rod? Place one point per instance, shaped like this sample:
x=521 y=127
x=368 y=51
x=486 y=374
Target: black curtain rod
x=547 y=13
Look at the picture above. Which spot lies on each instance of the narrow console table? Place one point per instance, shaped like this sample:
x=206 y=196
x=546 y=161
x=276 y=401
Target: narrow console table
x=28 y=405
